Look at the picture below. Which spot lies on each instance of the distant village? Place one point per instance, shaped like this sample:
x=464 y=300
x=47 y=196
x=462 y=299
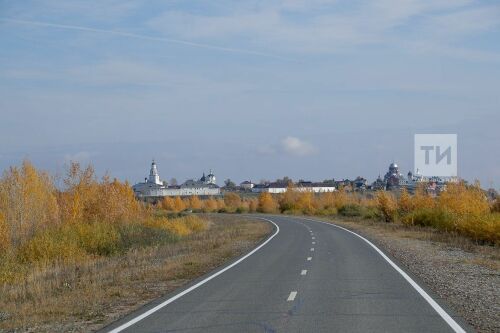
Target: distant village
x=153 y=188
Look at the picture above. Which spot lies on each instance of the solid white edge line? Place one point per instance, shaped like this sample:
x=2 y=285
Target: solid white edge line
x=199 y=284
x=446 y=317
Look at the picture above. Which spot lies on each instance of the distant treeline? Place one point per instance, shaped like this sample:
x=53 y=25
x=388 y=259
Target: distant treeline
x=462 y=209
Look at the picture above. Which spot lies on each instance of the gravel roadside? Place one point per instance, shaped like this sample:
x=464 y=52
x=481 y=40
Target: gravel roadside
x=465 y=275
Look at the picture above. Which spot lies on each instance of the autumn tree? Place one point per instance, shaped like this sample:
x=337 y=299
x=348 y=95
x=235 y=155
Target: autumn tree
x=405 y=203
x=79 y=198
x=306 y=202
x=27 y=202
x=387 y=205
x=195 y=203
x=209 y=205
x=464 y=200
x=288 y=200
x=266 y=203
x=232 y=201
x=168 y=204
x=179 y=205
x=252 y=205
x=115 y=202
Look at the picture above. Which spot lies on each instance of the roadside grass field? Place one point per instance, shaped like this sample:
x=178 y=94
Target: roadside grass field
x=85 y=295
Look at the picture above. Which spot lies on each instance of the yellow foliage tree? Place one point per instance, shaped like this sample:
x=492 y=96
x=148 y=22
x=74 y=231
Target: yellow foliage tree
x=288 y=200
x=266 y=203
x=464 y=200
x=232 y=201
x=179 y=205
x=78 y=202
x=168 y=204
x=306 y=202
x=422 y=200
x=27 y=202
x=195 y=203
x=221 y=205
x=87 y=200
x=405 y=203
x=252 y=206
x=209 y=205
x=387 y=205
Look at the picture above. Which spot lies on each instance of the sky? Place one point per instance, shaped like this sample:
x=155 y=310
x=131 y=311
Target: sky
x=314 y=90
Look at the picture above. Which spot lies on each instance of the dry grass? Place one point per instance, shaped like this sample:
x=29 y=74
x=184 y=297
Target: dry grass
x=84 y=296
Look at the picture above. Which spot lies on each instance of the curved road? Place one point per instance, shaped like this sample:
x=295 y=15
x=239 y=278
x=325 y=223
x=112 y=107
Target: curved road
x=309 y=277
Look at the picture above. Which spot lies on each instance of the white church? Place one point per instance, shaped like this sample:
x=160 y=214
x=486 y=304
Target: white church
x=153 y=188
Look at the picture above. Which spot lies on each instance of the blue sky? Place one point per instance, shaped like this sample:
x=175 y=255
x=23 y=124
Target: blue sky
x=252 y=89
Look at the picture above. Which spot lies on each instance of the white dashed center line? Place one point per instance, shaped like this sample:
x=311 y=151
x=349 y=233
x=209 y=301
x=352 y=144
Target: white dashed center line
x=312 y=248
x=314 y=238
x=314 y=243
x=309 y=258
x=292 y=296
x=304 y=272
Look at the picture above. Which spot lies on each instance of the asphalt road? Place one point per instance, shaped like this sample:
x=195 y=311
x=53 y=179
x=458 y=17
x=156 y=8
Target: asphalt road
x=310 y=277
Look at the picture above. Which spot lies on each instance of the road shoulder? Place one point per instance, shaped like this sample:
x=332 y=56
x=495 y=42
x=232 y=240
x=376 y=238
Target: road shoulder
x=465 y=275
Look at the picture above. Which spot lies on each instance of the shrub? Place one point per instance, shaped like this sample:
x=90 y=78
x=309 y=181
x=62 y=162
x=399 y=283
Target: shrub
x=371 y=213
x=430 y=217
x=181 y=226
x=241 y=210
x=97 y=238
x=47 y=246
x=351 y=210
x=140 y=235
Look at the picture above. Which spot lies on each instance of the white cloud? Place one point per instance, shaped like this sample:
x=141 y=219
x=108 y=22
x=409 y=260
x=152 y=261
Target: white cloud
x=297 y=147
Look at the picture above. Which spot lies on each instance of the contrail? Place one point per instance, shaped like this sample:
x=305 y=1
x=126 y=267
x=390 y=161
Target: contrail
x=145 y=37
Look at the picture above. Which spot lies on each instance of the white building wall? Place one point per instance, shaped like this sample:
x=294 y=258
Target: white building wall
x=276 y=190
